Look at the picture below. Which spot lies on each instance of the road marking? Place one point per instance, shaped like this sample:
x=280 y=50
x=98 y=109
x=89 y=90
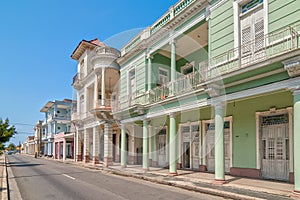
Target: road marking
x=68 y=176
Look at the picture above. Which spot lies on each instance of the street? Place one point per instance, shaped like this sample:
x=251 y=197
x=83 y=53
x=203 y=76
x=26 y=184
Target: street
x=46 y=179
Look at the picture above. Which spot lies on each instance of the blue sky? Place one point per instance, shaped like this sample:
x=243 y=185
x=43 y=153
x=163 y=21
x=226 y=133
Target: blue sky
x=37 y=38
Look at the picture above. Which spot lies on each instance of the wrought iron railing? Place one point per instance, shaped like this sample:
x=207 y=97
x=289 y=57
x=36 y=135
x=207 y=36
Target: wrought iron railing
x=274 y=44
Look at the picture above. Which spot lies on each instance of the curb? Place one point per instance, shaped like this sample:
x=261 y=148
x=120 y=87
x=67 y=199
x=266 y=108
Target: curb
x=183 y=185
x=186 y=187
x=4 y=186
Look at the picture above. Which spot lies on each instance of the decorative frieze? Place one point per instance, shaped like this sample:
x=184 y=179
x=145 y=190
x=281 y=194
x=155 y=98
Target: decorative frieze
x=292 y=66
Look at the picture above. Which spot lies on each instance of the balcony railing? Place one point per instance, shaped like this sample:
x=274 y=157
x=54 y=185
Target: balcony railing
x=107 y=103
x=159 y=24
x=259 y=50
x=274 y=44
x=59 y=117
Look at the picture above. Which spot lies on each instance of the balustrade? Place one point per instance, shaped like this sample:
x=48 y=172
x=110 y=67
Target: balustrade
x=259 y=50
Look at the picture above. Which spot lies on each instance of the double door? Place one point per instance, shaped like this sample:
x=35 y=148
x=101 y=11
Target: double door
x=275 y=148
x=210 y=146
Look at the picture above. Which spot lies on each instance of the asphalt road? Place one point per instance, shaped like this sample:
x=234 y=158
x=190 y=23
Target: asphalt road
x=46 y=179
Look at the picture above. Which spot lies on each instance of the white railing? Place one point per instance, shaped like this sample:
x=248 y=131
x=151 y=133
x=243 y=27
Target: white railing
x=159 y=24
x=274 y=44
x=107 y=103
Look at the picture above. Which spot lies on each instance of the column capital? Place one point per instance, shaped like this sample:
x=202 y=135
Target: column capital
x=148 y=54
x=292 y=66
x=295 y=90
x=172 y=41
x=174 y=114
x=219 y=105
x=145 y=120
x=123 y=126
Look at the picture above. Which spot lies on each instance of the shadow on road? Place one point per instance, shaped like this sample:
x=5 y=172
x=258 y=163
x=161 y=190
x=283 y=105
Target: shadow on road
x=22 y=164
x=50 y=174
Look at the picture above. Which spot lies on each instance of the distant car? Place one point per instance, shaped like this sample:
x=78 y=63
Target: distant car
x=9 y=152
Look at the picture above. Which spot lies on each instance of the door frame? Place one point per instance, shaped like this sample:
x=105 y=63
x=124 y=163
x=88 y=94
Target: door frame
x=157 y=129
x=191 y=141
x=271 y=112
x=204 y=122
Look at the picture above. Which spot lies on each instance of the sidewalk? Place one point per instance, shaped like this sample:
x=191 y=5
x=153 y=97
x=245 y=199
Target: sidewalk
x=235 y=188
x=3 y=181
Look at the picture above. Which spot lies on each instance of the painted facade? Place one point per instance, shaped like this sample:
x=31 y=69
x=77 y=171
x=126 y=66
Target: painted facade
x=29 y=145
x=211 y=86
x=214 y=86
x=57 y=120
x=38 y=144
x=97 y=133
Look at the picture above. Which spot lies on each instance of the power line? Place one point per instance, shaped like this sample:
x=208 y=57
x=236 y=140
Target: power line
x=23 y=124
x=25 y=133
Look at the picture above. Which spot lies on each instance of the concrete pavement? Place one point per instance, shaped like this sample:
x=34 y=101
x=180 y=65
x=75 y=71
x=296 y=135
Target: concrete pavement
x=44 y=179
x=235 y=188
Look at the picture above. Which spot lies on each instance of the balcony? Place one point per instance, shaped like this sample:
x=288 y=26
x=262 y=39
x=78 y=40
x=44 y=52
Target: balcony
x=102 y=111
x=279 y=43
x=77 y=84
x=58 y=117
x=176 y=10
x=101 y=57
x=273 y=45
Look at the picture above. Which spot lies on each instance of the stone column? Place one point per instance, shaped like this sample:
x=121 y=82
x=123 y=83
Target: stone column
x=86 y=144
x=108 y=159
x=96 y=92
x=58 y=149
x=149 y=72
x=54 y=150
x=64 y=149
x=145 y=146
x=96 y=143
x=103 y=87
x=150 y=150
x=219 y=144
x=172 y=146
x=173 y=65
x=118 y=156
x=297 y=141
x=123 y=147
x=154 y=148
x=78 y=147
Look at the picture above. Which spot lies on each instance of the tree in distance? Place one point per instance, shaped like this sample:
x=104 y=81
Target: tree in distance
x=6 y=132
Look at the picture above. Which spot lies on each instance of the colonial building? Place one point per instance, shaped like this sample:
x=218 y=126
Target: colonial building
x=57 y=120
x=97 y=134
x=38 y=144
x=210 y=86
x=29 y=145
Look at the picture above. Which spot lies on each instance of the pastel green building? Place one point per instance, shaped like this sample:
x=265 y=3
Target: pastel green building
x=214 y=86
